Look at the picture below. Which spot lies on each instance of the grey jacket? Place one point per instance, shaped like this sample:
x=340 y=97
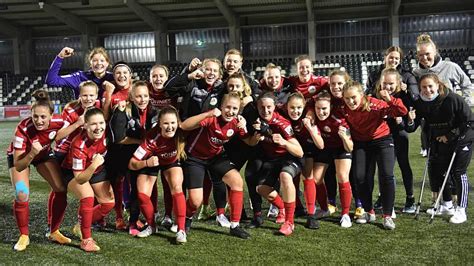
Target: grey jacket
x=452 y=75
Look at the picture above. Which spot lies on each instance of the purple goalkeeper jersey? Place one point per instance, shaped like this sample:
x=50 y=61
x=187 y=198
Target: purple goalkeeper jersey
x=74 y=79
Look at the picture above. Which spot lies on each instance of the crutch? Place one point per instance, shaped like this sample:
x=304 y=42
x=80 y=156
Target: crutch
x=440 y=194
x=425 y=173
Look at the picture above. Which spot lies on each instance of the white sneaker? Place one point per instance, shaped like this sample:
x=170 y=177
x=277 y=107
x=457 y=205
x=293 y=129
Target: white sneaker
x=272 y=211
x=424 y=153
x=442 y=210
x=388 y=223
x=366 y=218
x=345 y=221
x=174 y=228
x=148 y=231
x=181 y=237
x=394 y=215
x=167 y=222
x=459 y=216
x=322 y=214
x=222 y=221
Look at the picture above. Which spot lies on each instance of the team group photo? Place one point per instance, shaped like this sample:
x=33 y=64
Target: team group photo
x=236 y=132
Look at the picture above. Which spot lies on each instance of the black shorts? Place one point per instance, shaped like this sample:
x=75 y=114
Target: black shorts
x=310 y=151
x=10 y=160
x=194 y=170
x=328 y=155
x=101 y=176
x=271 y=169
x=60 y=156
x=153 y=171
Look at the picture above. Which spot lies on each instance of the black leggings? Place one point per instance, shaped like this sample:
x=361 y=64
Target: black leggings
x=365 y=155
x=253 y=180
x=440 y=157
x=400 y=140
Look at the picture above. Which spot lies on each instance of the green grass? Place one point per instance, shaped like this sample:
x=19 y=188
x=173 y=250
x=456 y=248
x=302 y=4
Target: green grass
x=413 y=242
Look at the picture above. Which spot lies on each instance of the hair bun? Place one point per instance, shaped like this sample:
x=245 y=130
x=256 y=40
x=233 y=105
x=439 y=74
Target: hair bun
x=423 y=38
x=40 y=95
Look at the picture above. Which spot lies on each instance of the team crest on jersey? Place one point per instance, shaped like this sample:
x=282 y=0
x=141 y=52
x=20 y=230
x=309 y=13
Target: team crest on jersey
x=327 y=129
x=51 y=135
x=289 y=130
x=213 y=101
x=312 y=89
x=230 y=132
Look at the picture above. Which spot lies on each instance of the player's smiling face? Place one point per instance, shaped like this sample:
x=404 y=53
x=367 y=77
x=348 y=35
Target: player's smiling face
x=158 y=77
x=230 y=109
x=88 y=96
x=322 y=109
x=352 y=98
x=305 y=69
x=266 y=107
x=168 y=125
x=122 y=77
x=41 y=117
x=95 y=126
x=99 y=64
x=211 y=73
x=336 y=83
x=232 y=63
x=141 y=97
x=295 y=108
x=273 y=78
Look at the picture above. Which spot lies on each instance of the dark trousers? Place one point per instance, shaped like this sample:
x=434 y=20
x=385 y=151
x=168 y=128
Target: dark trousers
x=440 y=157
x=365 y=156
x=400 y=140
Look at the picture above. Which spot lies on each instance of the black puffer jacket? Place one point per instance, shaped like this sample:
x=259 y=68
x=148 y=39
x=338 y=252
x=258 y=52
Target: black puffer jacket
x=447 y=115
x=407 y=78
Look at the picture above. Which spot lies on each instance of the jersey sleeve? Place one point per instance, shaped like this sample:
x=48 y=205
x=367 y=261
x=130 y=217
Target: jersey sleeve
x=287 y=131
x=20 y=139
x=78 y=159
x=207 y=121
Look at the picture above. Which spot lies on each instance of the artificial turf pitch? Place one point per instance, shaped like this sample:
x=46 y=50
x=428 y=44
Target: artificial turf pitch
x=412 y=242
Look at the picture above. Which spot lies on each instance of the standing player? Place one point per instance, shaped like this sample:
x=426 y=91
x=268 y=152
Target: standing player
x=99 y=62
x=129 y=124
x=372 y=142
x=233 y=61
x=306 y=82
x=161 y=150
x=309 y=137
x=84 y=174
x=205 y=151
x=338 y=146
x=32 y=145
x=449 y=120
x=391 y=81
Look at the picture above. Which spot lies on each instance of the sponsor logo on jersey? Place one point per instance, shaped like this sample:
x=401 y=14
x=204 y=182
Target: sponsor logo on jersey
x=51 y=135
x=213 y=101
x=217 y=141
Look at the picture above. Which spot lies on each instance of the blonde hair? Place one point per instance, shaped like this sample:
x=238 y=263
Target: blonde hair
x=339 y=72
x=234 y=52
x=300 y=58
x=87 y=83
x=213 y=60
x=247 y=90
x=425 y=39
x=98 y=50
x=165 y=68
x=386 y=72
x=296 y=95
x=356 y=85
x=131 y=93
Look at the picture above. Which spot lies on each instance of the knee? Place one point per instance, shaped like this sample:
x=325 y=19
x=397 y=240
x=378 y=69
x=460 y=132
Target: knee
x=175 y=188
x=22 y=192
x=286 y=180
